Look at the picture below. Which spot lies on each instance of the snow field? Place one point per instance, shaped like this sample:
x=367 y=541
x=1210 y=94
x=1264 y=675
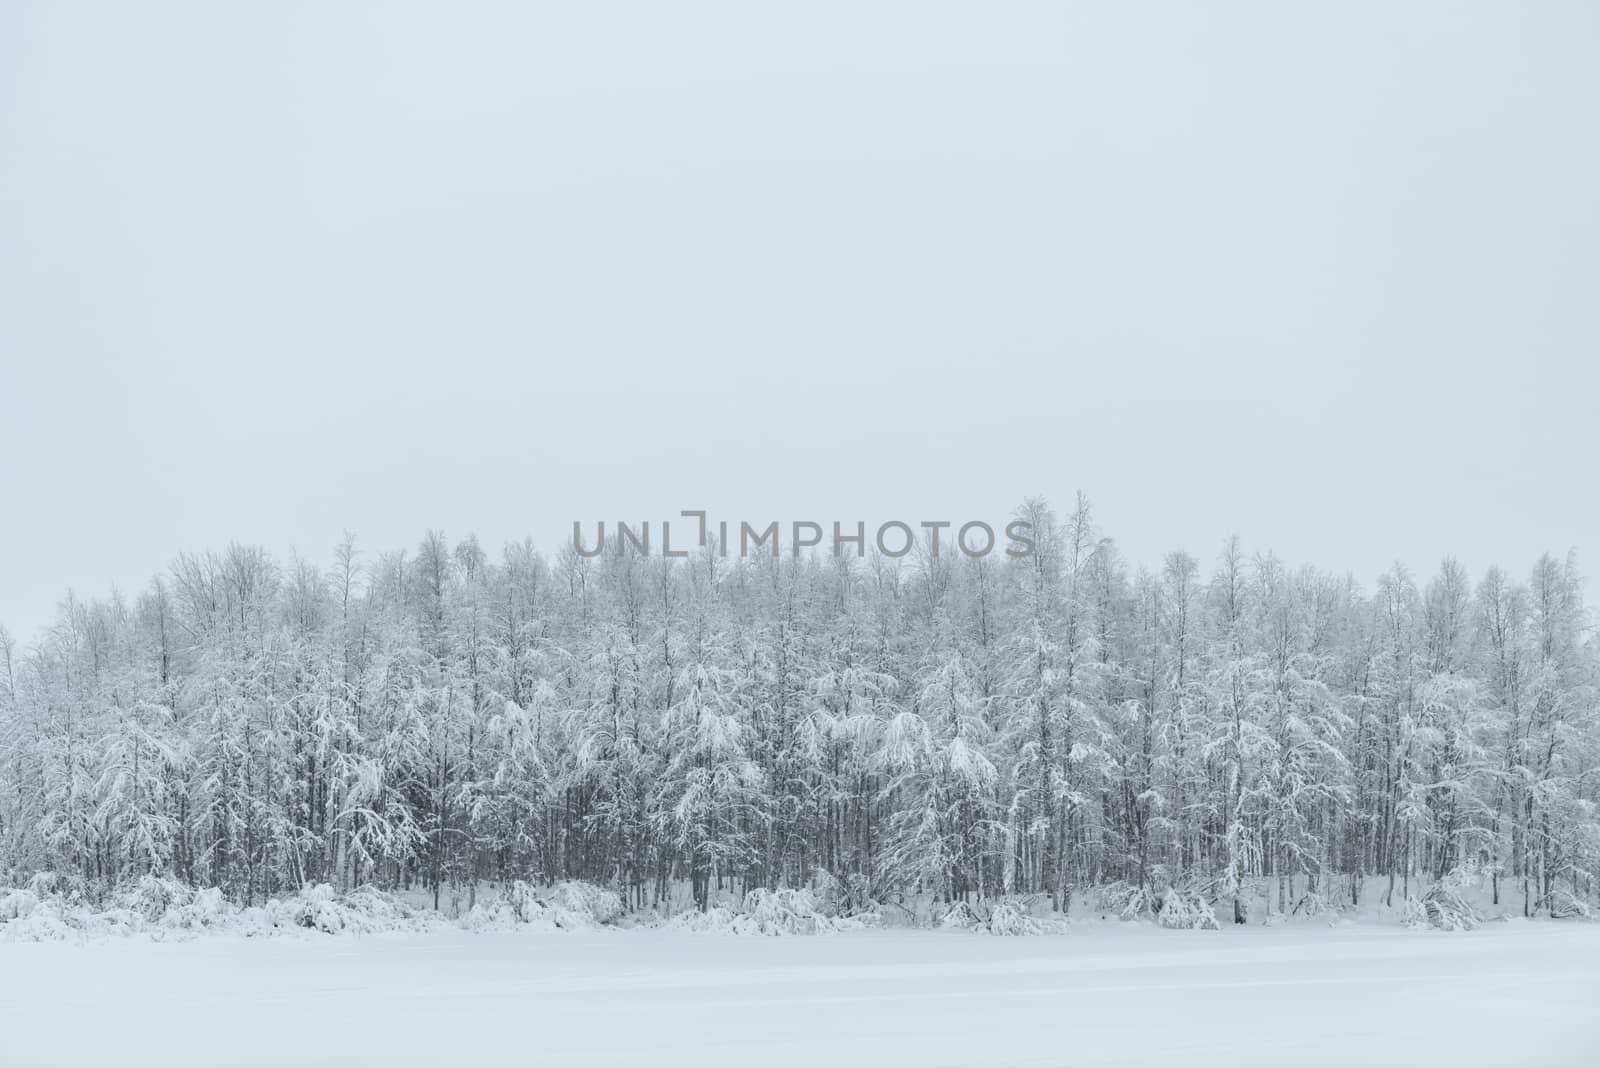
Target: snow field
x=1507 y=994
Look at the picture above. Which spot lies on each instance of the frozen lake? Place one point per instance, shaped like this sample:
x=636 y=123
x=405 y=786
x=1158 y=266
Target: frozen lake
x=1505 y=995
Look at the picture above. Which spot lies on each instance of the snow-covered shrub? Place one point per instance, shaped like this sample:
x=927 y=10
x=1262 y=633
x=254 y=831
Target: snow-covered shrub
x=718 y=919
x=857 y=895
x=41 y=924
x=1009 y=918
x=964 y=916
x=782 y=911
x=831 y=893
x=206 y=908
x=515 y=903
x=161 y=908
x=376 y=910
x=594 y=903
x=1444 y=906
x=26 y=917
x=160 y=904
x=313 y=908
x=1557 y=904
x=151 y=897
x=1126 y=901
x=769 y=912
x=1185 y=909
x=53 y=884
x=364 y=910
x=16 y=904
x=1006 y=916
x=1313 y=904
x=567 y=906
x=54 y=907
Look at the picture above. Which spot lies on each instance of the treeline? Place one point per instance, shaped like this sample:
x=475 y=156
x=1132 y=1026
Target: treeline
x=965 y=727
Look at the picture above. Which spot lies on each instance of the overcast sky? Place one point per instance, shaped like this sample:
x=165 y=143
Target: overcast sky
x=1324 y=275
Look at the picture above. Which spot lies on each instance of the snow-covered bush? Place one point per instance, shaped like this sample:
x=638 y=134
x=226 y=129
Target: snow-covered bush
x=769 y=912
x=567 y=906
x=1185 y=909
x=782 y=911
x=207 y=908
x=42 y=923
x=718 y=919
x=151 y=897
x=963 y=916
x=312 y=908
x=514 y=905
x=1006 y=916
x=594 y=903
x=55 y=908
x=1558 y=904
x=364 y=910
x=1125 y=901
x=1009 y=918
x=520 y=902
x=1313 y=904
x=156 y=903
x=1444 y=906
x=52 y=884
x=16 y=904
x=860 y=896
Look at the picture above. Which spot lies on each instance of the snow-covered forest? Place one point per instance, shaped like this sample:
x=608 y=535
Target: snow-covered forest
x=967 y=728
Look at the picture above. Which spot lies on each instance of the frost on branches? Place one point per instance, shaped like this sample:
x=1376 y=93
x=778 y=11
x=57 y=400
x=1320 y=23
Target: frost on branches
x=798 y=741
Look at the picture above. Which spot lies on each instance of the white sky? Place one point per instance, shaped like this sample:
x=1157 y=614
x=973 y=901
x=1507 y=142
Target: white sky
x=1321 y=274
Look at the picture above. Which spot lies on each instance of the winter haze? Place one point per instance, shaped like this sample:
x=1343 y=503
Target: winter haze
x=1321 y=276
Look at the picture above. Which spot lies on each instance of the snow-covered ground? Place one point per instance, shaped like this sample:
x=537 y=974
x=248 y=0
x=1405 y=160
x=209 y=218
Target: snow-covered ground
x=1508 y=994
